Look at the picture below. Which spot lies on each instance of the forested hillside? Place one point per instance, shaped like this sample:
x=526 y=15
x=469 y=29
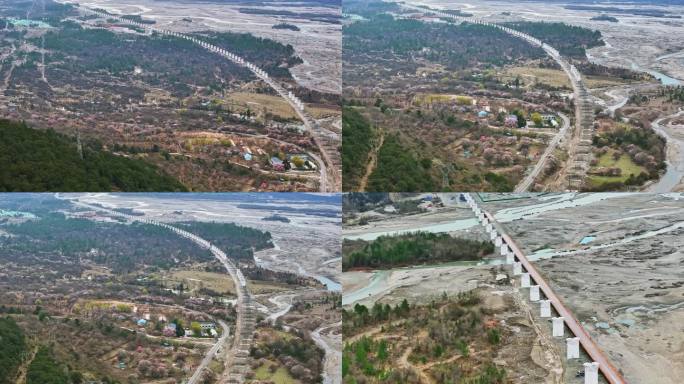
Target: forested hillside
x=358 y=136
x=12 y=349
x=45 y=370
x=569 y=40
x=398 y=170
x=43 y=160
x=411 y=249
x=400 y=44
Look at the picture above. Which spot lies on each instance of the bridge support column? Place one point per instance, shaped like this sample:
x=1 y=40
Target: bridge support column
x=494 y=236
x=517 y=268
x=525 y=280
x=534 y=293
x=545 y=308
x=591 y=373
x=572 y=351
x=558 y=326
x=510 y=257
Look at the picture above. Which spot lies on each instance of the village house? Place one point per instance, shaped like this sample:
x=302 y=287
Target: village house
x=511 y=121
x=277 y=164
x=550 y=120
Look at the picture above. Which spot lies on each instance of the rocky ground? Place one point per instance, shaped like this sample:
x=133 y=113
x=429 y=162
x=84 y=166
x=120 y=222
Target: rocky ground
x=626 y=286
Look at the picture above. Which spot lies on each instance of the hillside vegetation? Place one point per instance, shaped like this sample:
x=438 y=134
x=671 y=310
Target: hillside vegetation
x=399 y=170
x=45 y=370
x=37 y=160
x=358 y=136
x=411 y=249
x=451 y=340
x=569 y=40
x=12 y=349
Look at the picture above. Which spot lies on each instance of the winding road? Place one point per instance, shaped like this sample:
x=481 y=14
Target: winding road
x=244 y=323
x=579 y=149
x=528 y=181
x=194 y=379
x=327 y=141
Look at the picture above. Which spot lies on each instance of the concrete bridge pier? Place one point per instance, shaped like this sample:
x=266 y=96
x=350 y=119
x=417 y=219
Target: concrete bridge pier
x=572 y=351
x=591 y=373
x=510 y=257
x=545 y=308
x=534 y=293
x=494 y=236
x=558 y=326
x=525 y=280
x=517 y=268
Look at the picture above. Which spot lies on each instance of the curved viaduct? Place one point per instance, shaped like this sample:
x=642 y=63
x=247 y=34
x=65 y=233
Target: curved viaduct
x=579 y=147
x=237 y=357
x=326 y=141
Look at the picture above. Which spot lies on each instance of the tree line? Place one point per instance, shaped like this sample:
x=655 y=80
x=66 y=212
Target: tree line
x=357 y=143
x=13 y=349
x=44 y=160
x=412 y=249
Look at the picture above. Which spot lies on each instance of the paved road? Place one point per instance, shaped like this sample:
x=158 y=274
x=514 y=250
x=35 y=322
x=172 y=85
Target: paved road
x=234 y=272
x=528 y=181
x=211 y=353
x=609 y=371
x=330 y=176
x=582 y=97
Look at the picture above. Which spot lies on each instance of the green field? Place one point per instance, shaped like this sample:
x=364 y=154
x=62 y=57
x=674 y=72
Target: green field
x=280 y=376
x=625 y=163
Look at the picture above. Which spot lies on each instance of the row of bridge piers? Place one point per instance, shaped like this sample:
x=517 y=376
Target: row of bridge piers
x=327 y=142
x=536 y=295
x=581 y=155
x=238 y=357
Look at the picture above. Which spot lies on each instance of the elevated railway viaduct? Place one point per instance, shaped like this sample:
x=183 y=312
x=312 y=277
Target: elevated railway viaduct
x=328 y=142
x=237 y=356
x=540 y=291
x=579 y=146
